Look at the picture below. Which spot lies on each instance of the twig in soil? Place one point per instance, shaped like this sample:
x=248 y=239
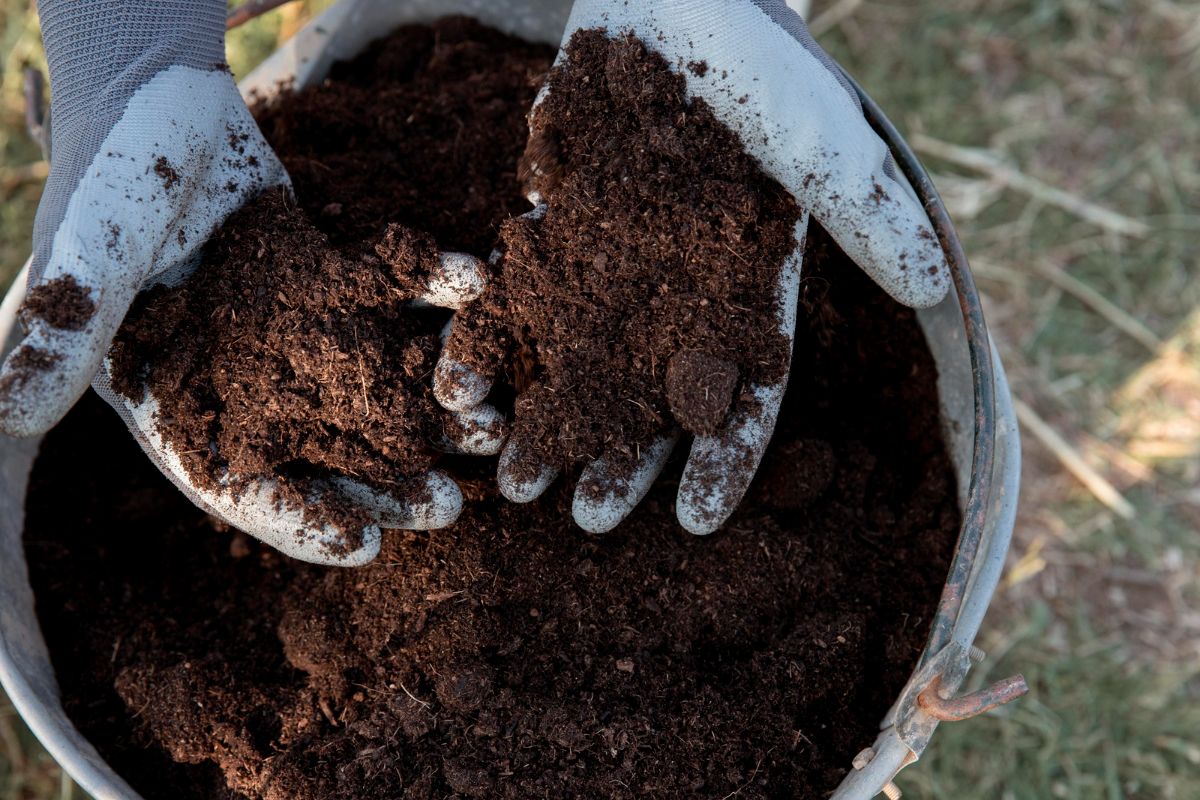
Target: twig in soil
x=362 y=375
x=749 y=780
x=1070 y=458
x=993 y=166
x=415 y=699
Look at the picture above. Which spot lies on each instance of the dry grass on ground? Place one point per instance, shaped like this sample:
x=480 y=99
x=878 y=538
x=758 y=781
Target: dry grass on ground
x=1065 y=135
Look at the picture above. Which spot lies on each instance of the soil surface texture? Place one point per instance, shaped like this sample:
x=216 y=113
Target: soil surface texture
x=511 y=656
x=425 y=129
x=290 y=352
x=660 y=237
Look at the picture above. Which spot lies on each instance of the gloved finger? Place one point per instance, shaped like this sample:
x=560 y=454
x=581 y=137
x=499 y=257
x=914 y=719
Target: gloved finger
x=293 y=530
x=720 y=467
x=427 y=503
x=603 y=498
x=256 y=507
x=478 y=431
x=70 y=322
x=457 y=386
x=458 y=279
x=521 y=474
x=877 y=221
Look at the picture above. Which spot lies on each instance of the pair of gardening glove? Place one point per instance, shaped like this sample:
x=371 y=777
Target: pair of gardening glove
x=137 y=85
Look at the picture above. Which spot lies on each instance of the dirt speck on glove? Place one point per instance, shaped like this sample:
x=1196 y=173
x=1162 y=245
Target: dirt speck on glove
x=661 y=236
x=167 y=173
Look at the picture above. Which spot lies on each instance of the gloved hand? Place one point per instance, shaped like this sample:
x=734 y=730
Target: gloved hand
x=768 y=81
x=153 y=148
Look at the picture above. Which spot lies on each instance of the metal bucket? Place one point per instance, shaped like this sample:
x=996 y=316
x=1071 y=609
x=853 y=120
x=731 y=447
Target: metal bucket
x=976 y=408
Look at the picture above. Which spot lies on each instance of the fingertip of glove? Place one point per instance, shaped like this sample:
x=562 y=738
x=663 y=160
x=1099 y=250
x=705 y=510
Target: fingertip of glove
x=31 y=392
x=926 y=289
x=458 y=279
x=441 y=505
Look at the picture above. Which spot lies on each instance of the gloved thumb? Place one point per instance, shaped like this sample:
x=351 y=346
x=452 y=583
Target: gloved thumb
x=70 y=323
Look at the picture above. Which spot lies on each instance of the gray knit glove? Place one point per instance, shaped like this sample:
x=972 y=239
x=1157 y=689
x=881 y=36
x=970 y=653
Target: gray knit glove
x=153 y=148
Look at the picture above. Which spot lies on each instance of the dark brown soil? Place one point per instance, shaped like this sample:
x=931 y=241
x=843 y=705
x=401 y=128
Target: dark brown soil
x=62 y=303
x=281 y=357
x=661 y=235
x=511 y=656
x=434 y=114
x=286 y=355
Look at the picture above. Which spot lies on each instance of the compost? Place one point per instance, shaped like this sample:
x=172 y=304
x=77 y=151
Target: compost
x=510 y=656
x=660 y=237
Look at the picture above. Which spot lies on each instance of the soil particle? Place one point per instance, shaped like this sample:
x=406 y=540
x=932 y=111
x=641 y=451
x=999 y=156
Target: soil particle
x=510 y=656
x=33 y=359
x=61 y=303
x=661 y=235
x=164 y=170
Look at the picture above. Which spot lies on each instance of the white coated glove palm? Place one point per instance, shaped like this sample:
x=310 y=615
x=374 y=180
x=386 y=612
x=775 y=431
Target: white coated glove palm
x=153 y=149
x=769 y=82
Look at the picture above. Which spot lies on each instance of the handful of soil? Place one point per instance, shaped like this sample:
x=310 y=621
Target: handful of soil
x=291 y=352
x=648 y=290
x=282 y=357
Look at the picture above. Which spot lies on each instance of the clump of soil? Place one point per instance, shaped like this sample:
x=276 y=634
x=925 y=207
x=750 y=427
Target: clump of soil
x=290 y=352
x=509 y=656
x=282 y=357
x=661 y=236
x=62 y=303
